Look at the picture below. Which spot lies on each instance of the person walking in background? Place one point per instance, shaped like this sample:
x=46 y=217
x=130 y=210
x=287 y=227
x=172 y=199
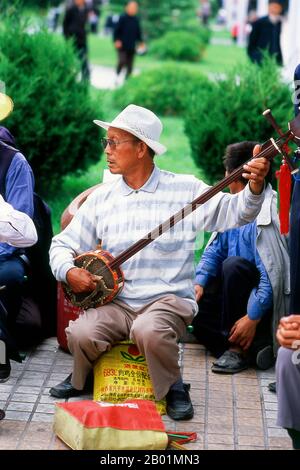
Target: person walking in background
x=126 y=35
x=205 y=12
x=265 y=35
x=74 y=26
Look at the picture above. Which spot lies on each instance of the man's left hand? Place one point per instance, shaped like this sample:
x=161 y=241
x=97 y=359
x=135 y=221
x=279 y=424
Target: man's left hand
x=243 y=331
x=257 y=169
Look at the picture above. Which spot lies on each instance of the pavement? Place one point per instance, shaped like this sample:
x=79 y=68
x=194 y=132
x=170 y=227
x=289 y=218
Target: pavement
x=231 y=412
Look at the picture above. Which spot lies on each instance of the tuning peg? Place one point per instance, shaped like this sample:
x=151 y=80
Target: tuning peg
x=269 y=116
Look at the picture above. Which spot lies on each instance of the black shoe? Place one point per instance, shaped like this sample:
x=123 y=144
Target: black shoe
x=272 y=387
x=231 y=362
x=265 y=358
x=5 y=371
x=2 y=414
x=65 y=389
x=179 y=405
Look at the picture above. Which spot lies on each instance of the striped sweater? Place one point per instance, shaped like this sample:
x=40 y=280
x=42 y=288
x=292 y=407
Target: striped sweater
x=118 y=216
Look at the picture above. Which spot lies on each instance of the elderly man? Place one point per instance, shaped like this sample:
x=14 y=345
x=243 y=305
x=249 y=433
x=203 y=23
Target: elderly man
x=158 y=299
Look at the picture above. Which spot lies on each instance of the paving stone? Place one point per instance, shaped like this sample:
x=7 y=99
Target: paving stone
x=272 y=423
x=42 y=417
x=220 y=439
x=217 y=429
x=270 y=405
x=280 y=442
x=45 y=408
x=49 y=399
x=32 y=390
x=24 y=398
x=251 y=448
x=35 y=382
x=249 y=421
x=271 y=414
x=17 y=415
x=245 y=430
x=4 y=388
x=277 y=432
x=220 y=447
x=251 y=441
x=38 y=367
x=246 y=413
x=17 y=406
x=4 y=396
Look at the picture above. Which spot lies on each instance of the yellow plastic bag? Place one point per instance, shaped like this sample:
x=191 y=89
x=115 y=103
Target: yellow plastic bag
x=122 y=373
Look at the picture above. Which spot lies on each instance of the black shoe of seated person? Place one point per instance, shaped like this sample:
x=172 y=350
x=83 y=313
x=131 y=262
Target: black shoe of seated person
x=231 y=362
x=65 y=388
x=272 y=387
x=179 y=405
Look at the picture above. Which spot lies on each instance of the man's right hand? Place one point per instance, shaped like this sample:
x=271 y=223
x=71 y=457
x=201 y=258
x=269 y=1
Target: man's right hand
x=118 y=44
x=199 y=291
x=80 y=280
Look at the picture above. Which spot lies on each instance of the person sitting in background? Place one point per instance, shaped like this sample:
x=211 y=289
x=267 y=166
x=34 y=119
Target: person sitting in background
x=242 y=283
x=18 y=230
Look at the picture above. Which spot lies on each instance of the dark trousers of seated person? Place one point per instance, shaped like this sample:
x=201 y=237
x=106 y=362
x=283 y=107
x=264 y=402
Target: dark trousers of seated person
x=12 y=272
x=224 y=302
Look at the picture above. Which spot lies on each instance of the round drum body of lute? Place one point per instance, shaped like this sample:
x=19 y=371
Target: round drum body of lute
x=110 y=281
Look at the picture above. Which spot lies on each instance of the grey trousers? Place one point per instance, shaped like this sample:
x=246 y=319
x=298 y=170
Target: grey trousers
x=288 y=388
x=155 y=329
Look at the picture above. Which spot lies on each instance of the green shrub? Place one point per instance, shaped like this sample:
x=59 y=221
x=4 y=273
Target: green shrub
x=165 y=90
x=228 y=111
x=178 y=45
x=53 y=113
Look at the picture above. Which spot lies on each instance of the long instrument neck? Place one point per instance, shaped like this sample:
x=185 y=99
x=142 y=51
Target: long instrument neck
x=269 y=150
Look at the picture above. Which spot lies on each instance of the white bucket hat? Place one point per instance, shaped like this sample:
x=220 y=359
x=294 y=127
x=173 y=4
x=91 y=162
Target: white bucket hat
x=141 y=123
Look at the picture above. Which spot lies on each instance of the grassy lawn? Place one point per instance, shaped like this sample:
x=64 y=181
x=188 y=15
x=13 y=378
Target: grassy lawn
x=217 y=59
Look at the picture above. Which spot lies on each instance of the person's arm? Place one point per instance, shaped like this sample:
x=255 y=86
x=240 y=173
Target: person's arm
x=260 y=300
x=211 y=260
x=67 y=22
x=252 y=43
x=118 y=36
x=16 y=228
x=19 y=185
x=77 y=238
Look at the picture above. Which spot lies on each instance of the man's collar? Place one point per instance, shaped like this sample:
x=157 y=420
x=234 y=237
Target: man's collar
x=149 y=187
